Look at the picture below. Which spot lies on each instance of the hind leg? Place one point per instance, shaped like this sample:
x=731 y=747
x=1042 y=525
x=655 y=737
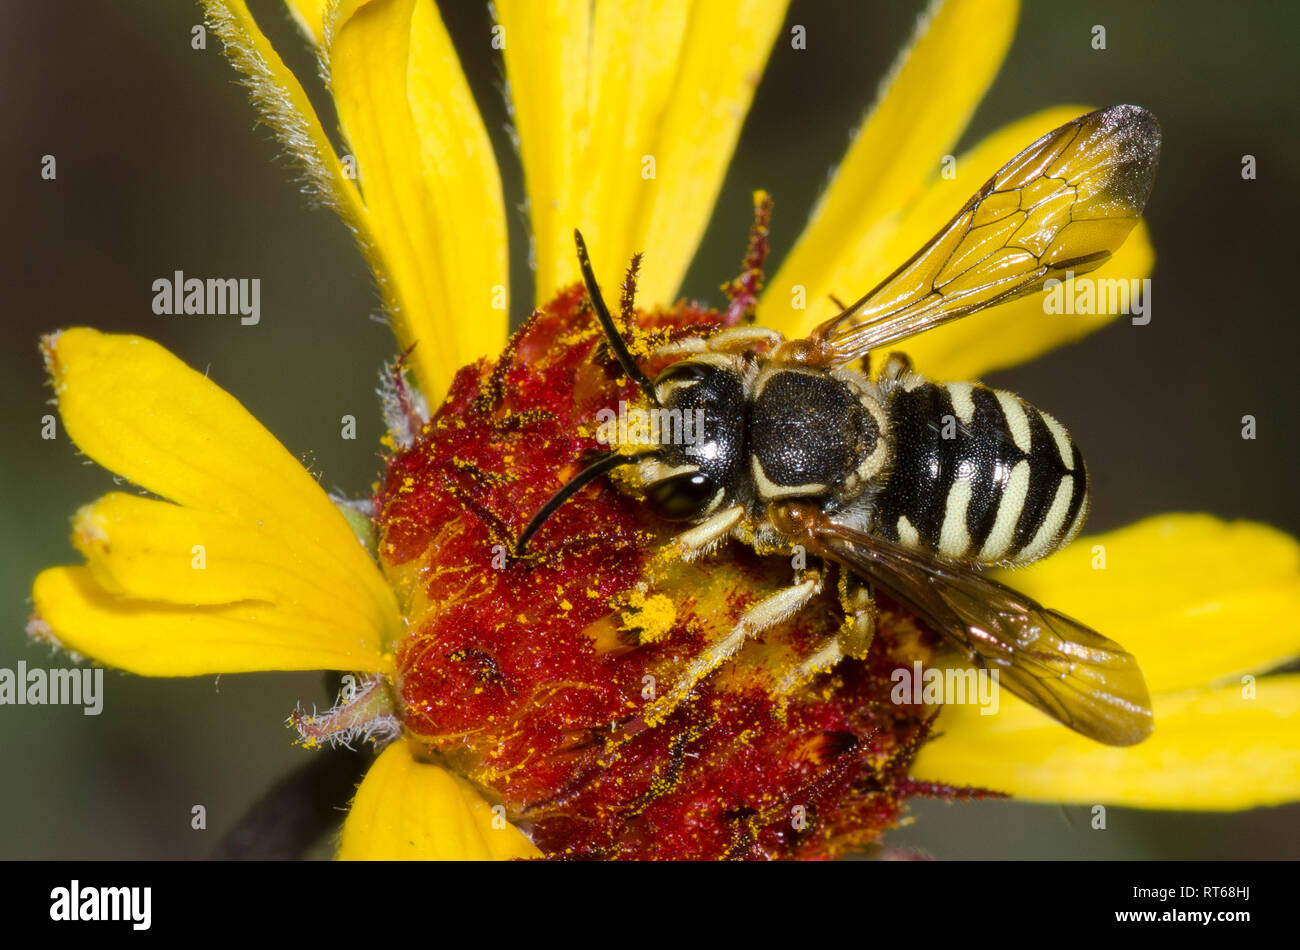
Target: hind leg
x=896 y=366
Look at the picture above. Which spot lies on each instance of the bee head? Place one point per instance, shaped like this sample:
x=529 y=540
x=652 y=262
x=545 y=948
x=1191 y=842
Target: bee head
x=698 y=430
x=689 y=459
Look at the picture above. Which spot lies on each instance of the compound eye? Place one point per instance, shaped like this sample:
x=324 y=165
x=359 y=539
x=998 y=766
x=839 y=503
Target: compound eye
x=684 y=372
x=681 y=497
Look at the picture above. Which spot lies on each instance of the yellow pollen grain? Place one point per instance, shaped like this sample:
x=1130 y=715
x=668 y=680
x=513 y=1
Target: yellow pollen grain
x=652 y=615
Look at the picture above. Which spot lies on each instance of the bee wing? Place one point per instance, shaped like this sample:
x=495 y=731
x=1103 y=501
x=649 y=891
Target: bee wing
x=1069 y=671
x=1065 y=203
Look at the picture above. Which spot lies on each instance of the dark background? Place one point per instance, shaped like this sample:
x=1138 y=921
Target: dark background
x=161 y=166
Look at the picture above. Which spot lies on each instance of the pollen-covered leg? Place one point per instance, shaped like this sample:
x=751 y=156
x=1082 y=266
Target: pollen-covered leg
x=734 y=340
x=767 y=613
x=859 y=627
x=852 y=640
x=702 y=538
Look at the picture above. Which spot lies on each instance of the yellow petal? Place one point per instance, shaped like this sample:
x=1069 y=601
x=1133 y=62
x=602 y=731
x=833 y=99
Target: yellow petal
x=634 y=53
x=280 y=552
x=284 y=105
x=139 y=411
x=429 y=179
x=407 y=810
x=432 y=225
x=691 y=135
x=1010 y=333
x=628 y=136
x=1211 y=750
x=547 y=46
x=927 y=101
x=1194 y=598
x=153 y=550
x=310 y=17
x=158 y=639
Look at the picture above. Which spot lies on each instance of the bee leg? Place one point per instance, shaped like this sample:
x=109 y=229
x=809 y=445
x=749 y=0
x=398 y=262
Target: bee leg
x=733 y=340
x=768 y=612
x=852 y=640
x=742 y=338
x=897 y=365
x=703 y=537
x=859 y=627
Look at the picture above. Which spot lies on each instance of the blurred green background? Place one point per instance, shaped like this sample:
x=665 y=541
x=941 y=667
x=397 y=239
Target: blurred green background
x=161 y=166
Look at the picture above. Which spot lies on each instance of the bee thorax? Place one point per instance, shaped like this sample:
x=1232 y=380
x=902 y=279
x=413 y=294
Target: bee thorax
x=814 y=434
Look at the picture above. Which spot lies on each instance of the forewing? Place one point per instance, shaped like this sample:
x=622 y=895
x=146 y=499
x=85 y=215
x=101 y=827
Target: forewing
x=1069 y=671
x=1066 y=203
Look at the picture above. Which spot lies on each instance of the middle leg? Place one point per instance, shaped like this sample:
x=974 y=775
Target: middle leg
x=763 y=615
x=853 y=639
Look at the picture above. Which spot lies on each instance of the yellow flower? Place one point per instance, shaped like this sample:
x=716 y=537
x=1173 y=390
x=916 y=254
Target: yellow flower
x=596 y=89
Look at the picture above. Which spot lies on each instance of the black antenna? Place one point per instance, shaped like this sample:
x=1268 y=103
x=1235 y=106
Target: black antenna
x=574 y=485
x=607 y=323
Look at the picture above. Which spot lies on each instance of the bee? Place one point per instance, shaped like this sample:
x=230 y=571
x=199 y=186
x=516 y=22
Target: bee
x=908 y=485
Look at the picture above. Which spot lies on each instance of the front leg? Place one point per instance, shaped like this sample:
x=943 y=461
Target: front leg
x=703 y=537
x=767 y=613
x=734 y=340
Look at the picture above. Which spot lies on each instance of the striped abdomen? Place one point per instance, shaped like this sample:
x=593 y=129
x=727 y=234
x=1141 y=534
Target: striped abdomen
x=979 y=475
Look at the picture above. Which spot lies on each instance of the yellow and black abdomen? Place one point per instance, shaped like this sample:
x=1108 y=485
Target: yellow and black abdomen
x=979 y=475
